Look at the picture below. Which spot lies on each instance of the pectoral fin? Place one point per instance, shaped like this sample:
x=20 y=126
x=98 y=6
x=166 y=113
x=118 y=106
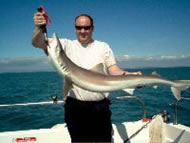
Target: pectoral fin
x=129 y=90
x=67 y=86
x=155 y=86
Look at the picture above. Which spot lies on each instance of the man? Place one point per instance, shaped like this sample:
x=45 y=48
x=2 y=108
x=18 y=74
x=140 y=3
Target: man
x=87 y=114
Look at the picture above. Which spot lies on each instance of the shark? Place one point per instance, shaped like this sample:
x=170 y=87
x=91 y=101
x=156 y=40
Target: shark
x=67 y=86
x=100 y=82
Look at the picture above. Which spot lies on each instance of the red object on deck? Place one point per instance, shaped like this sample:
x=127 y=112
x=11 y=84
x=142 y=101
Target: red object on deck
x=26 y=140
x=147 y=119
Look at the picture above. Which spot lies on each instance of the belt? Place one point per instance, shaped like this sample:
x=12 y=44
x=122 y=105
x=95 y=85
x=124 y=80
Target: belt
x=74 y=100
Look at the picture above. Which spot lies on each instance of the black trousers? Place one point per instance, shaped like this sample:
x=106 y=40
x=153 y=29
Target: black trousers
x=88 y=121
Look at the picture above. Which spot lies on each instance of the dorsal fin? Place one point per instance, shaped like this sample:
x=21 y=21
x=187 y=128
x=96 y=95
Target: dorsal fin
x=99 y=68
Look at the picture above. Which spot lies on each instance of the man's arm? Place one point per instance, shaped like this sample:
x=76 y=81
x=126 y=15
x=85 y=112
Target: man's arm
x=115 y=70
x=38 y=39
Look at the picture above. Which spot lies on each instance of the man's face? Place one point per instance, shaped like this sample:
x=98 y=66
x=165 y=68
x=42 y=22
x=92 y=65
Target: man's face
x=84 y=29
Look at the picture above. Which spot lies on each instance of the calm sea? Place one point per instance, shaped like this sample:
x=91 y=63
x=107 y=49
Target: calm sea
x=39 y=86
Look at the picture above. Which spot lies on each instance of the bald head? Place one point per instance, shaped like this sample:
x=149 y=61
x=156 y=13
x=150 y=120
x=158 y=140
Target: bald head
x=85 y=16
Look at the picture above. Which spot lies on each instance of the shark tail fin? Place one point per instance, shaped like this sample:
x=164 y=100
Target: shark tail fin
x=176 y=92
x=129 y=90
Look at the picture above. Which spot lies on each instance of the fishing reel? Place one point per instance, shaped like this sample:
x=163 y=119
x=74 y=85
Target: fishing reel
x=165 y=116
x=54 y=99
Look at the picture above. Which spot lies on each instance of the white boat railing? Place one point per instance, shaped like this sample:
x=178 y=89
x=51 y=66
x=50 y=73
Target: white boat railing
x=137 y=98
x=55 y=101
x=175 y=108
x=32 y=103
x=53 y=97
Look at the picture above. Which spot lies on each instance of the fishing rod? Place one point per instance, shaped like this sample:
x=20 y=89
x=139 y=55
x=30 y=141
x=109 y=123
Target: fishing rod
x=48 y=21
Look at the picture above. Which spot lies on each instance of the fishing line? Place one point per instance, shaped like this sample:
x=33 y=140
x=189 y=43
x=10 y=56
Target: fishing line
x=144 y=126
x=44 y=31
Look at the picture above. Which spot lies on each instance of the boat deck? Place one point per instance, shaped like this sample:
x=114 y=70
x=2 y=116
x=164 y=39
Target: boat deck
x=137 y=131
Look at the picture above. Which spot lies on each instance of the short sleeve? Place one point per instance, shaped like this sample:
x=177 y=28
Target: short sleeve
x=109 y=57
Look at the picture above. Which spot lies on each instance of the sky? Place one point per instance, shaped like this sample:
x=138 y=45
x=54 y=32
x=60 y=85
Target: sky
x=140 y=32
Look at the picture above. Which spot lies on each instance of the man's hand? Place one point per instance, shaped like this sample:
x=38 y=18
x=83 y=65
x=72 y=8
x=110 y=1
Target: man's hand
x=38 y=39
x=39 y=19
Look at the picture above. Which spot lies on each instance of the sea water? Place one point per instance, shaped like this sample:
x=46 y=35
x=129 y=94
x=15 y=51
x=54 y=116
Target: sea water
x=40 y=86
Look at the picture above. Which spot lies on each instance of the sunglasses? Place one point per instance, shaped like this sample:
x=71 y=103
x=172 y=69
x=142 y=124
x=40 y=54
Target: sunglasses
x=83 y=27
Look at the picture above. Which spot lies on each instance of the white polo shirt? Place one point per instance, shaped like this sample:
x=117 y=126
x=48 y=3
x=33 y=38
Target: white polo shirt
x=88 y=56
